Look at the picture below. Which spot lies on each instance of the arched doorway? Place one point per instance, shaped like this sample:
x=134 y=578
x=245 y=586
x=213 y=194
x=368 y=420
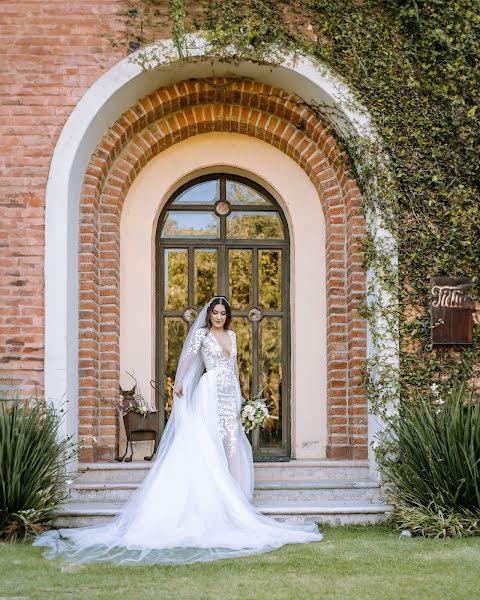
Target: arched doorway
x=224 y=234
x=83 y=298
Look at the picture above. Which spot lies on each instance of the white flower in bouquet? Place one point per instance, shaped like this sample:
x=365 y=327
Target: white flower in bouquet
x=254 y=413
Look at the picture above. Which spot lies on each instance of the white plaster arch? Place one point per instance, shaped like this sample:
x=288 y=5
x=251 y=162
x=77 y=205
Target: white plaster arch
x=100 y=106
x=297 y=196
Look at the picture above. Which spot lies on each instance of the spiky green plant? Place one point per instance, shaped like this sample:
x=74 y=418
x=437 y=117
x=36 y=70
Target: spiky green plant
x=32 y=466
x=431 y=463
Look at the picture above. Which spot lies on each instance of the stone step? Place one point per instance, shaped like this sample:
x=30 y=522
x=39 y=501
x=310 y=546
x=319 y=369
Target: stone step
x=313 y=470
x=133 y=472
x=110 y=491
x=285 y=491
x=302 y=470
x=320 y=490
x=330 y=512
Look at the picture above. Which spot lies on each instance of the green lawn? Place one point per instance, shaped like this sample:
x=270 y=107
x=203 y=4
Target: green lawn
x=350 y=563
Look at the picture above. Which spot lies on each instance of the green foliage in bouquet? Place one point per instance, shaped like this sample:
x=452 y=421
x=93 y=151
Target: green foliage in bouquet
x=32 y=461
x=431 y=463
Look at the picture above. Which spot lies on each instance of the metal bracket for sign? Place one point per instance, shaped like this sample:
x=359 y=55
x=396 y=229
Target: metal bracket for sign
x=451 y=310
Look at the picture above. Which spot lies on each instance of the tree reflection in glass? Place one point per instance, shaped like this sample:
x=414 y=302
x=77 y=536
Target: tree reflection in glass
x=176 y=279
x=270 y=279
x=179 y=224
x=258 y=225
x=240 y=278
x=205 y=279
x=270 y=367
x=239 y=193
x=243 y=329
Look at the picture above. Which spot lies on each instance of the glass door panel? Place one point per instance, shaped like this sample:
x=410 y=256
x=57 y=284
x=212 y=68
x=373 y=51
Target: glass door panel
x=240 y=279
x=254 y=225
x=241 y=252
x=243 y=330
x=180 y=224
x=176 y=278
x=270 y=279
x=202 y=193
x=239 y=193
x=205 y=279
x=270 y=369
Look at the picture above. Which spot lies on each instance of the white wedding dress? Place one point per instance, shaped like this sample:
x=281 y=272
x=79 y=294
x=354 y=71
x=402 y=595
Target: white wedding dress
x=195 y=503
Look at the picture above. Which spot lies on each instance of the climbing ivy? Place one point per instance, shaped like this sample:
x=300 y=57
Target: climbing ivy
x=414 y=65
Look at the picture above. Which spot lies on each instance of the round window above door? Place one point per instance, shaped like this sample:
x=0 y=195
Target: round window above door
x=223 y=234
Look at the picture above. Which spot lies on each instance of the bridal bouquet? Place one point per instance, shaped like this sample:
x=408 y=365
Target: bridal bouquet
x=254 y=413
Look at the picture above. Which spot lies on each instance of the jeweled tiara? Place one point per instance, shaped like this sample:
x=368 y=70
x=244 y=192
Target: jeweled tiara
x=221 y=298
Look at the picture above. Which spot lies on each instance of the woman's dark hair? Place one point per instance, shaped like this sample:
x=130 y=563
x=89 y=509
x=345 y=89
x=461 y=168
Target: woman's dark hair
x=224 y=302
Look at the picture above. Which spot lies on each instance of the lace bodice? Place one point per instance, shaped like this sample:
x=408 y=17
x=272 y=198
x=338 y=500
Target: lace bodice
x=212 y=354
x=223 y=369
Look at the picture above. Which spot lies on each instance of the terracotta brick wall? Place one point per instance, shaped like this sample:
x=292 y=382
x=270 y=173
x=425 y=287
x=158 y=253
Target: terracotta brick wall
x=52 y=52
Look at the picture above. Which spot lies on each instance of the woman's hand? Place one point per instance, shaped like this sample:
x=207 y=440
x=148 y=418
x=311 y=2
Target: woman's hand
x=178 y=389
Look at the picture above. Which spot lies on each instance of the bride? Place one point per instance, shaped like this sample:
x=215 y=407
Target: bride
x=195 y=503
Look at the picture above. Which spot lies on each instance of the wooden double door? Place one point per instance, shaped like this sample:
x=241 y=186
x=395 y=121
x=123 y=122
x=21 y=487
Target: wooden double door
x=226 y=235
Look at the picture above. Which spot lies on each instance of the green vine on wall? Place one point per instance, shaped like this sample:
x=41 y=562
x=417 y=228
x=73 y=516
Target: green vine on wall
x=414 y=65
x=178 y=14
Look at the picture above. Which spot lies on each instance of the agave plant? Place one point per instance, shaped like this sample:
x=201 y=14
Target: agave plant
x=431 y=463
x=32 y=466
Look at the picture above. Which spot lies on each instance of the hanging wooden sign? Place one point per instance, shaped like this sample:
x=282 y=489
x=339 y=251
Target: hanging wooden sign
x=451 y=308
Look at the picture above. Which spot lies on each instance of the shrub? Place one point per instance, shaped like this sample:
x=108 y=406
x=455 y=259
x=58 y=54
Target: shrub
x=431 y=464
x=32 y=466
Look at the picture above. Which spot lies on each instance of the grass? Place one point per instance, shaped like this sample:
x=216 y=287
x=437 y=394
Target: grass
x=351 y=563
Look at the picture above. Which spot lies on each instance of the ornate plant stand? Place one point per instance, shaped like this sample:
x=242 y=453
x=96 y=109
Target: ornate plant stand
x=140 y=428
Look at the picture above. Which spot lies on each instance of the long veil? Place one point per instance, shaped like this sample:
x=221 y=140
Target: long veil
x=189 y=507
x=189 y=371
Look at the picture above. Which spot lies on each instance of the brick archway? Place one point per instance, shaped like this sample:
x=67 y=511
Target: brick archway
x=158 y=121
